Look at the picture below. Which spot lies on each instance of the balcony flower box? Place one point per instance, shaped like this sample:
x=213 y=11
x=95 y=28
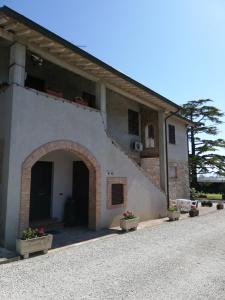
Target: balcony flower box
x=54 y=93
x=81 y=101
x=33 y=243
x=129 y=222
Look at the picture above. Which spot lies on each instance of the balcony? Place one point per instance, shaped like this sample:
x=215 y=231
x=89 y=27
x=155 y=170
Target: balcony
x=46 y=77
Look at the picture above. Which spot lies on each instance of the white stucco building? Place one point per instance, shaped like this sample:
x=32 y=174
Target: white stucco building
x=72 y=127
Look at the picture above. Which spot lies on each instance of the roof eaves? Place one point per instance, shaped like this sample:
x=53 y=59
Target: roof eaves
x=13 y=14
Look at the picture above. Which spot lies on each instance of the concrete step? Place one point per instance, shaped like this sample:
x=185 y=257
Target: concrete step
x=7 y=256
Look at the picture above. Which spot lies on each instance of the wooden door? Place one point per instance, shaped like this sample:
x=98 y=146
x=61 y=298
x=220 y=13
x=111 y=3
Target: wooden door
x=41 y=191
x=81 y=192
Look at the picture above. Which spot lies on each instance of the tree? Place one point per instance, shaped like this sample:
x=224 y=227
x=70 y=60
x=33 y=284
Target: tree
x=203 y=153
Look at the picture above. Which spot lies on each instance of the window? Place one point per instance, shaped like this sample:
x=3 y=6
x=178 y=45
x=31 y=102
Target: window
x=133 y=122
x=172 y=135
x=172 y=172
x=117 y=191
x=150 y=136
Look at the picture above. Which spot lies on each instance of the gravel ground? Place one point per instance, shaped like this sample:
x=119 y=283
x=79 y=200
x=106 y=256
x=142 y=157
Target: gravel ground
x=175 y=260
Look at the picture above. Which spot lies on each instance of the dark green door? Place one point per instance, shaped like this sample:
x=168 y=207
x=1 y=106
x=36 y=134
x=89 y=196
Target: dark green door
x=41 y=191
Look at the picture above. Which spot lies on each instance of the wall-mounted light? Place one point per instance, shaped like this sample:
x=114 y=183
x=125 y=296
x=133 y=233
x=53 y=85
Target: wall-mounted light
x=37 y=60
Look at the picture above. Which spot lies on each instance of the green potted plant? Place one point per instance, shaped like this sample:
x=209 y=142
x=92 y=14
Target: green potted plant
x=129 y=221
x=173 y=213
x=33 y=240
x=194 y=212
x=220 y=205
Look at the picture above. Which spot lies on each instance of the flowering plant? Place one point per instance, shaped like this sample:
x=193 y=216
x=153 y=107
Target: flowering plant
x=128 y=215
x=172 y=208
x=31 y=233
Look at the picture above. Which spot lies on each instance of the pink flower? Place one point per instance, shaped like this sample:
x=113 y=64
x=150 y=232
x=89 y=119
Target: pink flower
x=41 y=231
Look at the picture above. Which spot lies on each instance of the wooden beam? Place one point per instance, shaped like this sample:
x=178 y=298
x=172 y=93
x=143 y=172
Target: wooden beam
x=3 y=20
x=11 y=26
x=47 y=45
x=6 y=35
x=67 y=55
x=24 y=32
x=58 y=50
x=131 y=96
x=36 y=39
x=55 y=59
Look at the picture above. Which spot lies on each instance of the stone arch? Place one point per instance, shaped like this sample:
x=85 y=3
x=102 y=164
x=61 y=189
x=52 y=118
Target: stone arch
x=94 y=180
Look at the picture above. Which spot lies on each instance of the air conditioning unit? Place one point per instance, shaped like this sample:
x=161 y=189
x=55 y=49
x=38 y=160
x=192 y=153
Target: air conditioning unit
x=137 y=146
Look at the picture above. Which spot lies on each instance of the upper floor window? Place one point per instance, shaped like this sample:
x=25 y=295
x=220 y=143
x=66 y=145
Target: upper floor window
x=172 y=134
x=133 y=122
x=150 y=136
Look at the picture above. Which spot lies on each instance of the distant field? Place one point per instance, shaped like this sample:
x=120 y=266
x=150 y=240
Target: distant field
x=214 y=196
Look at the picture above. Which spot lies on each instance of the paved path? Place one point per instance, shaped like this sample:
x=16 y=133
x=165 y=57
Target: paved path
x=174 y=260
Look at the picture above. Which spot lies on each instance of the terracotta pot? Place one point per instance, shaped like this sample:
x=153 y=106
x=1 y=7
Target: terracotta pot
x=193 y=212
x=219 y=206
x=25 y=247
x=128 y=224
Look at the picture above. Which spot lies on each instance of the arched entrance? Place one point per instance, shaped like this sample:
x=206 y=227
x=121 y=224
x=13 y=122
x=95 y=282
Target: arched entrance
x=94 y=179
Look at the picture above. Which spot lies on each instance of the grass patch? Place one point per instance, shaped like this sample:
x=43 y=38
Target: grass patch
x=214 y=196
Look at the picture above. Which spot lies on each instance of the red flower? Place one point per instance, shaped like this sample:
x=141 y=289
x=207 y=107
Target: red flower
x=41 y=231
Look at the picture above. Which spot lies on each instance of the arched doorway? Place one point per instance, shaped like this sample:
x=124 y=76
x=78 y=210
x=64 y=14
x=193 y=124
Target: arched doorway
x=94 y=179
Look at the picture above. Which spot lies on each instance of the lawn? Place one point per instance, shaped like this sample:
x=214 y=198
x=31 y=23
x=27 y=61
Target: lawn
x=214 y=196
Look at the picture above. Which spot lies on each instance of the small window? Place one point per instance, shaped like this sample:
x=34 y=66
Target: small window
x=133 y=122
x=117 y=191
x=172 y=134
x=150 y=136
x=172 y=172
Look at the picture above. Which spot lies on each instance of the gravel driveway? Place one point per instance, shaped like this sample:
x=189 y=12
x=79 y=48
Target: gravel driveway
x=176 y=260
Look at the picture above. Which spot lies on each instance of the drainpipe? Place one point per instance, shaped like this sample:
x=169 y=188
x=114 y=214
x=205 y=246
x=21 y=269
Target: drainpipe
x=167 y=160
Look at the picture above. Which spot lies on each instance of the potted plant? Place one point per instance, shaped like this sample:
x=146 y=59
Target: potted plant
x=173 y=213
x=210 y=204
x=33 y=240
x=193 y=212
x=220 y=206
x=129 y=221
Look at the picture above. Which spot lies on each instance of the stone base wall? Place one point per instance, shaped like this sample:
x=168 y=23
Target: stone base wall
x=151 y=166
x=179 y=186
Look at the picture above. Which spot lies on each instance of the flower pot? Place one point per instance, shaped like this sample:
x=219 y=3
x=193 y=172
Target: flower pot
x=25 y=247
x=173 y=215
x=219 y=206
x=193 y=212
x=128 y=224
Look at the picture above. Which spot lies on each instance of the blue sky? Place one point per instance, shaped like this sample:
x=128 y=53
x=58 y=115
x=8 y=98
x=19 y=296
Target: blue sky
x=175 y=47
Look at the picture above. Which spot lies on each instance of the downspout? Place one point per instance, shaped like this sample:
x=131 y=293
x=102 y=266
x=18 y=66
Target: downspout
x=167 y=160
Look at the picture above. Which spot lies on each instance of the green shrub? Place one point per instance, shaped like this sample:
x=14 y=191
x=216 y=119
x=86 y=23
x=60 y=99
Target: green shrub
x=172 y=208
x=202 y=196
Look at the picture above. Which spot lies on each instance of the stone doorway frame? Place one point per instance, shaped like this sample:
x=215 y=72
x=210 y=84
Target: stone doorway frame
x=94 y=180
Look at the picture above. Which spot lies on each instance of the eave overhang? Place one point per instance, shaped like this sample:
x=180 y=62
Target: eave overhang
x=17 y=28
